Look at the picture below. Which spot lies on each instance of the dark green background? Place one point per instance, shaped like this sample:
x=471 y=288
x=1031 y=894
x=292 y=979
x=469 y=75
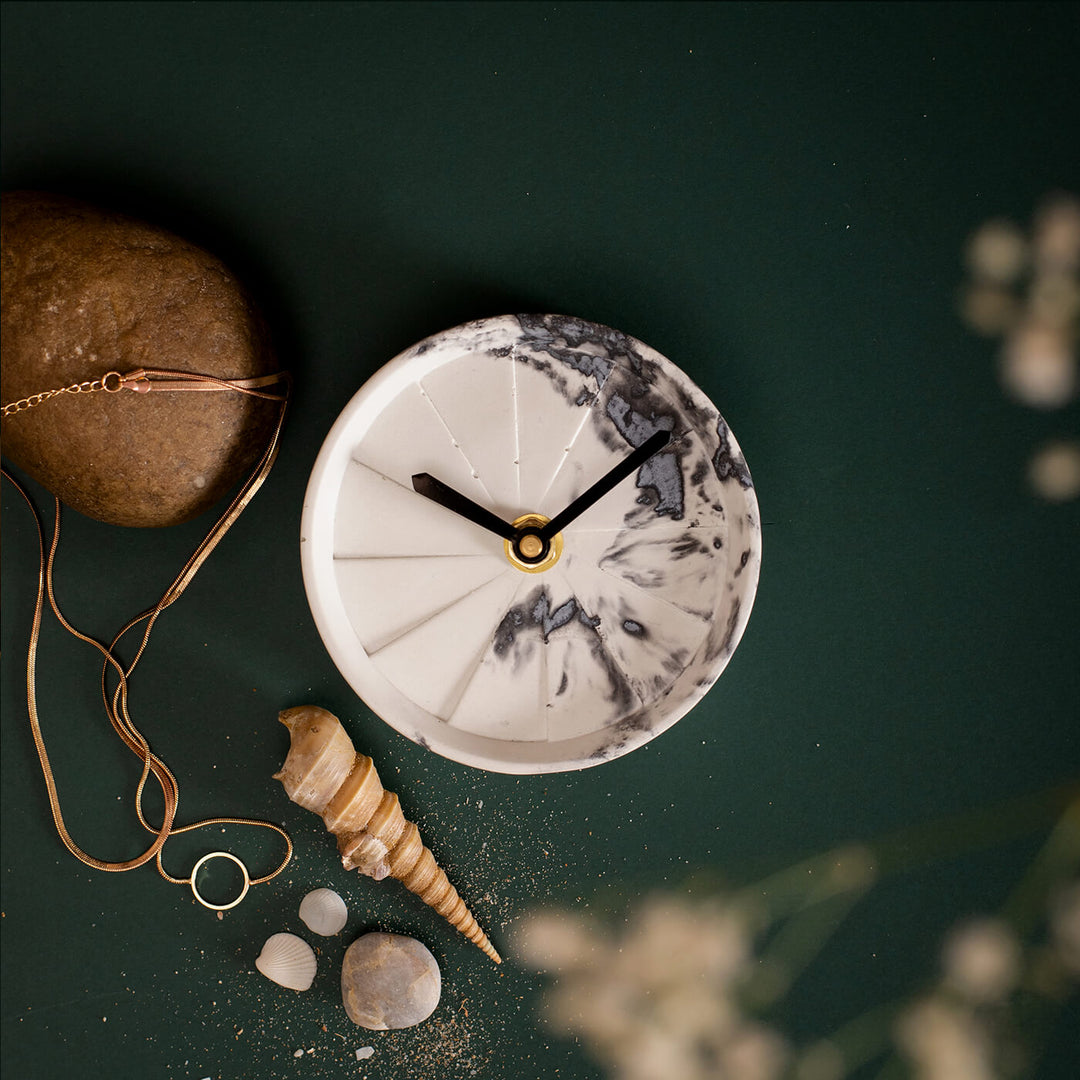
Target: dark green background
x=777 y=198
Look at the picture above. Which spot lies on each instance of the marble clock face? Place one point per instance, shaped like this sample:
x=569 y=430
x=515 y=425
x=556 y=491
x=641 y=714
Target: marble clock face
x=459 y=645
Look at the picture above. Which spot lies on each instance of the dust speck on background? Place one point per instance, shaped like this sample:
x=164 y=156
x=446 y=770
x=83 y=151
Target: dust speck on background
x=446 y=1045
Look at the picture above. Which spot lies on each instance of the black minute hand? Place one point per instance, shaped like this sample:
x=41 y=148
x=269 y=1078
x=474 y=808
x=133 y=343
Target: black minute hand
x=425 y=484
x=657 y=441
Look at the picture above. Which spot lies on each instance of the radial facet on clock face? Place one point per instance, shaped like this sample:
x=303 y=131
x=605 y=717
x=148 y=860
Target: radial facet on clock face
x=484 y=647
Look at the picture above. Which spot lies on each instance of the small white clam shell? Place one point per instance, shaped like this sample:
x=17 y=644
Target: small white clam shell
x=287 y=960
x=324 y=912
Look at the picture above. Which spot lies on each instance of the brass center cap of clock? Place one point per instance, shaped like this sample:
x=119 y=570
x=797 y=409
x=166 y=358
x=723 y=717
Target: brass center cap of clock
x=531 y=546
x=530 y=552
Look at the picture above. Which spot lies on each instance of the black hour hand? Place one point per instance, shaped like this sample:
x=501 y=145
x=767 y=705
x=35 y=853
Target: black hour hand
x=425 y=484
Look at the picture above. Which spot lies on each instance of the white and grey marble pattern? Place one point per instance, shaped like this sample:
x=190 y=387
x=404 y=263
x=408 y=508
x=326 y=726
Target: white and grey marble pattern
x=637 y=619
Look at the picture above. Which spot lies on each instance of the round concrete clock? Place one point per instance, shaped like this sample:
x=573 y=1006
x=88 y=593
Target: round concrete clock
x=530 y=543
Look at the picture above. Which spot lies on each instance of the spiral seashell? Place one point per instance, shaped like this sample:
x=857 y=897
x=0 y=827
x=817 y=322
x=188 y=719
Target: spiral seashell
x=323 y=912
x=324 y=774
x=287 y=960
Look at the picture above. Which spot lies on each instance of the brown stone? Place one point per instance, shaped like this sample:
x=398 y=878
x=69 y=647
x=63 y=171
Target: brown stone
x=87 y=291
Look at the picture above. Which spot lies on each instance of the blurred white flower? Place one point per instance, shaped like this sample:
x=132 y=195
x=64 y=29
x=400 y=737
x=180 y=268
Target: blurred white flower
x=1057 y=235
x=671 y=941
x=1027 y=291
x=1054 y=302
x=754 y=1053
x=1038 y=367
x=1054 y=471
x=703 y=1017
x=654 y=1053
x=676 y=993
x=944 y=1042
x=981 y=959
x=997 y=251
x=555 y=940
x=656 y=1002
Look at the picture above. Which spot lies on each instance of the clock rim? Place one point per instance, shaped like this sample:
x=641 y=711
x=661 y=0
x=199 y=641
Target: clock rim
x=380 y=695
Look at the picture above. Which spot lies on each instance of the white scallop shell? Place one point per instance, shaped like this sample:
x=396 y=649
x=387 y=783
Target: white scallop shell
x=287 y=960
x=324 y=912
